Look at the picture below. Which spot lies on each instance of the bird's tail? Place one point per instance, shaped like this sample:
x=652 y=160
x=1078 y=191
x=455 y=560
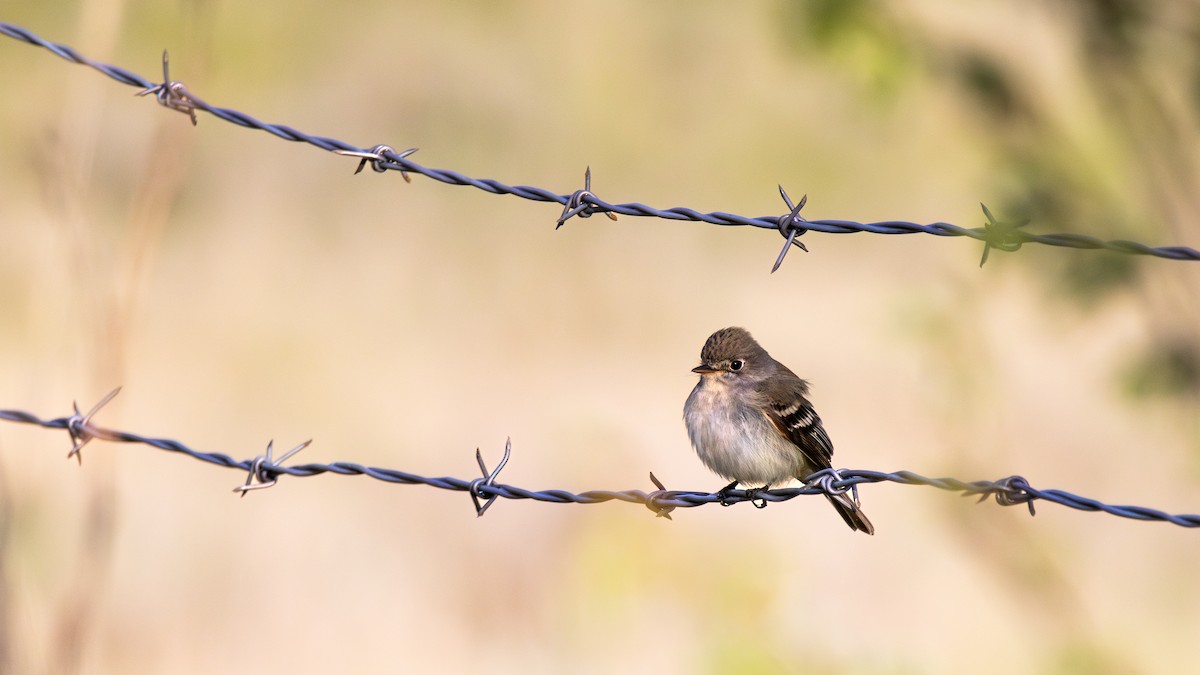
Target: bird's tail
x=851 y=513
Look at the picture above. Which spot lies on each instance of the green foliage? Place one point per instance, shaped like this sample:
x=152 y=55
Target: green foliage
x=1167 y=368
x=859 y=34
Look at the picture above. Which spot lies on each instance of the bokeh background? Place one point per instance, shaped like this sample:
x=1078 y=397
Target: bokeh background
x=242 y=288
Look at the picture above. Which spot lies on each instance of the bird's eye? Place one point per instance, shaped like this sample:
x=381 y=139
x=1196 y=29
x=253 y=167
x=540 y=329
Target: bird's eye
x=736 y=365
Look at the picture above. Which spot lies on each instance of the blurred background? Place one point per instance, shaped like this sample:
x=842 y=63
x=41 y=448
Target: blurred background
x=242 y=288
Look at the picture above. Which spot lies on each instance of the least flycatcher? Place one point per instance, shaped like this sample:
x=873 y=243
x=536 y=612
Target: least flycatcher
x=750 y=420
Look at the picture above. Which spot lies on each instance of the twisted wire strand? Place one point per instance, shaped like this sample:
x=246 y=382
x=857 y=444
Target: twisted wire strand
x=1009 y=491
x=993 y=234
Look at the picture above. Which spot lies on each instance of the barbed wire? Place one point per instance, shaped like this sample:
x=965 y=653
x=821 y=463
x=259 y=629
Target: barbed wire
x=1003 y=235
x=263 y=472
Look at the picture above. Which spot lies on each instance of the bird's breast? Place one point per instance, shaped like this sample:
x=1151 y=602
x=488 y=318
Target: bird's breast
x=735 y=440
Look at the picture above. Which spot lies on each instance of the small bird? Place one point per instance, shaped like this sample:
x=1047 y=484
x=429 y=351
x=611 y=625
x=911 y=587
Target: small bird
x=750 y=420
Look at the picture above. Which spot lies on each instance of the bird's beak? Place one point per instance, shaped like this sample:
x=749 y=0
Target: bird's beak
x=704 y=369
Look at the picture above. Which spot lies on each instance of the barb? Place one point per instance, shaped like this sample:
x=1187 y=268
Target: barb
x=1009 y=491
x=582 y=203
x=81 y=429
x=1003 y=235
x=790 y=226
x=400 y=162
x=265 y=471
x=381 y=158
x=652 y=500
x=488 y=479
x=173 y=95
x=831 y=482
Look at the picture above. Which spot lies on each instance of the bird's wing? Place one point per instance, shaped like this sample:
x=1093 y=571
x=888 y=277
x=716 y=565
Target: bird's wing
x=794 y=417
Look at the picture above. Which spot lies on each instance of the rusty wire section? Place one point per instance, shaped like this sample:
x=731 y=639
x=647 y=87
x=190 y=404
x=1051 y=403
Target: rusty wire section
x=263 y=472
x=995 y=233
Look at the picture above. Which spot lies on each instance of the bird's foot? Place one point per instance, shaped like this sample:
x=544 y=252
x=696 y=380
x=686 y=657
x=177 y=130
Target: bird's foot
x=724 y=494
x=756 y=498
x=752 y=495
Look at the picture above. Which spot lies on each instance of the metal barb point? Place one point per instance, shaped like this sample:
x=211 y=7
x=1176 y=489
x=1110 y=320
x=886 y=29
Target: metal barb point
x=1009 y=494
x=263 y=469
x=173 y=95
x=1000 y=234
x=790 y=227
x=488 y=478
x=660 y=510
x=577 y=204
x=78 y=426
x=378 y=159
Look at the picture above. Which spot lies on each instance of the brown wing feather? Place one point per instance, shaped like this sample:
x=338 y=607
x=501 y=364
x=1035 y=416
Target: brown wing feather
x=788 y=408
x=793 y=415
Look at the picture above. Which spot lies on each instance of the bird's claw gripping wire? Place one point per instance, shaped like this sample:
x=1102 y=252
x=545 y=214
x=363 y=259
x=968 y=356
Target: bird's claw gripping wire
x=173 y=95
x=724 y=496
x=381 y=158
x=756 y=498
x=1010 y=492
x=753 y=495
x=790 y=227
x=652 y=500
x=265 y=470
x=79 y=426
x=488 y=479
x=1004 y=235
x=578 y=204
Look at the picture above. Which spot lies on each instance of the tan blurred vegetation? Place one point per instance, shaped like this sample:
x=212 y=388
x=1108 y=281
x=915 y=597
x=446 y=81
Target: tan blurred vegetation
x=243 y=288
